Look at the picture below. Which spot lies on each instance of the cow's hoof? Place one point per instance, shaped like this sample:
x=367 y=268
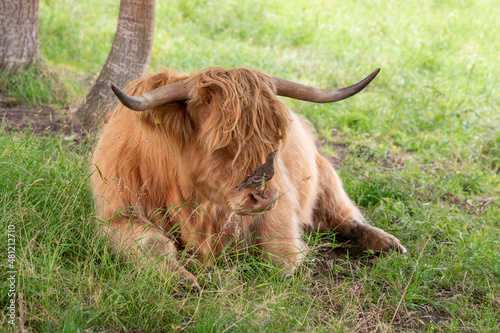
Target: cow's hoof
x=378 y=240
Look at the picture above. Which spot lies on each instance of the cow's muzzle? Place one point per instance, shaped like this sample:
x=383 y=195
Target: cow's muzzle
x=257 y=201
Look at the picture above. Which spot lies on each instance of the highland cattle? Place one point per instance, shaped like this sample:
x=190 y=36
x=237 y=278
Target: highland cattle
x=170 y=156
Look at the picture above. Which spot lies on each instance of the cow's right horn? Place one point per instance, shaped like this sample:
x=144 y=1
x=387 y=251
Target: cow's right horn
x=304 y=93
x=169 y=93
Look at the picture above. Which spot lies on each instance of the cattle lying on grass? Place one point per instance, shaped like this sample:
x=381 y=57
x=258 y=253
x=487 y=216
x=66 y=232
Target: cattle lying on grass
x=165 y=177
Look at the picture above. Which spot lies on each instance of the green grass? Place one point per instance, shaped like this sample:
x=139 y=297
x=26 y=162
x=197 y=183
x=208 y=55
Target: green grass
x=421 y=151
x=41 y=84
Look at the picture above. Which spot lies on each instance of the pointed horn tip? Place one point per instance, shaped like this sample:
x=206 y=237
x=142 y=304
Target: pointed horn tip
x=369 y=78
x=118 y=92
x=372 y=75
x=363 y=83
x=133 y=103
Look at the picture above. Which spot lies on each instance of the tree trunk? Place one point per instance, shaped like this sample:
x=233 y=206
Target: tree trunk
x=18 y=33
x=128 y=59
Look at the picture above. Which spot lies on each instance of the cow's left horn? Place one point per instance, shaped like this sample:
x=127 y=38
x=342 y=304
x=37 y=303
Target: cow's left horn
x=170 y=93
x=304 y=93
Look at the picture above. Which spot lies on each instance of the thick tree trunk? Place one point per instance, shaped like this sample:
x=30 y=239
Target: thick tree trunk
x=128 y=59
x=18 y=33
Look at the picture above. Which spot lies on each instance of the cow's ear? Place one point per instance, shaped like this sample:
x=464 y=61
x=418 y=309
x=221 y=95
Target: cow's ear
x=147 y=117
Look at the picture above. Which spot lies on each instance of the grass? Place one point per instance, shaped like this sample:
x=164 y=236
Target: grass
x=421 y=150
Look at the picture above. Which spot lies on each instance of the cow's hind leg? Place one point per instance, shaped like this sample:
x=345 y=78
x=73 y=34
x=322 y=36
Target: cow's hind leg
x=335 y=211
x=140 y=240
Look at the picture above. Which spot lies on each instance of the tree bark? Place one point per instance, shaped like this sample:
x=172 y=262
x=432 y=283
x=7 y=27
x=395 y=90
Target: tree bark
x=18 y=33
x=128 y=59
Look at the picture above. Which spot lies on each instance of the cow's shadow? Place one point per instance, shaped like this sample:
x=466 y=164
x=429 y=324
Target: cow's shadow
x=333 y=256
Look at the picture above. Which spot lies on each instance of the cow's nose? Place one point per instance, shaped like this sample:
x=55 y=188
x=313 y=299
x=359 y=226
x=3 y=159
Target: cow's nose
x=263 y=200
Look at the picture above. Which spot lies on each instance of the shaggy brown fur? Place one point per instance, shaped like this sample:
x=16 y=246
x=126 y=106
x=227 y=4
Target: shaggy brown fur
x=165 y=178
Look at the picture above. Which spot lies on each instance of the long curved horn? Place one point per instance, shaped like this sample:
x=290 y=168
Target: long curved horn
x=177 y=92
x=304 y=93
x=159 y=96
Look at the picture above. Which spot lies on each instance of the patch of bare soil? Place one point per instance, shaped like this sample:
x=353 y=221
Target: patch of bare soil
x=337 y=258
x=430 y=318
x=42 y=120
x=94 y=330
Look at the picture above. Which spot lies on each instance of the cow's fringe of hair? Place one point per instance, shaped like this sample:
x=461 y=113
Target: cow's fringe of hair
x=240 y=112
x=236 y=109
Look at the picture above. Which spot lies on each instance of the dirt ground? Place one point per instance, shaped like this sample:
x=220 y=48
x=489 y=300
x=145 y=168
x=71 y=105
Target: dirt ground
x=39 y=119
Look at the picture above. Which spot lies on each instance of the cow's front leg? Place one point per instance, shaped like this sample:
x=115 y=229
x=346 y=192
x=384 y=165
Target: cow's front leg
x=280 y=239
x=140 y=240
